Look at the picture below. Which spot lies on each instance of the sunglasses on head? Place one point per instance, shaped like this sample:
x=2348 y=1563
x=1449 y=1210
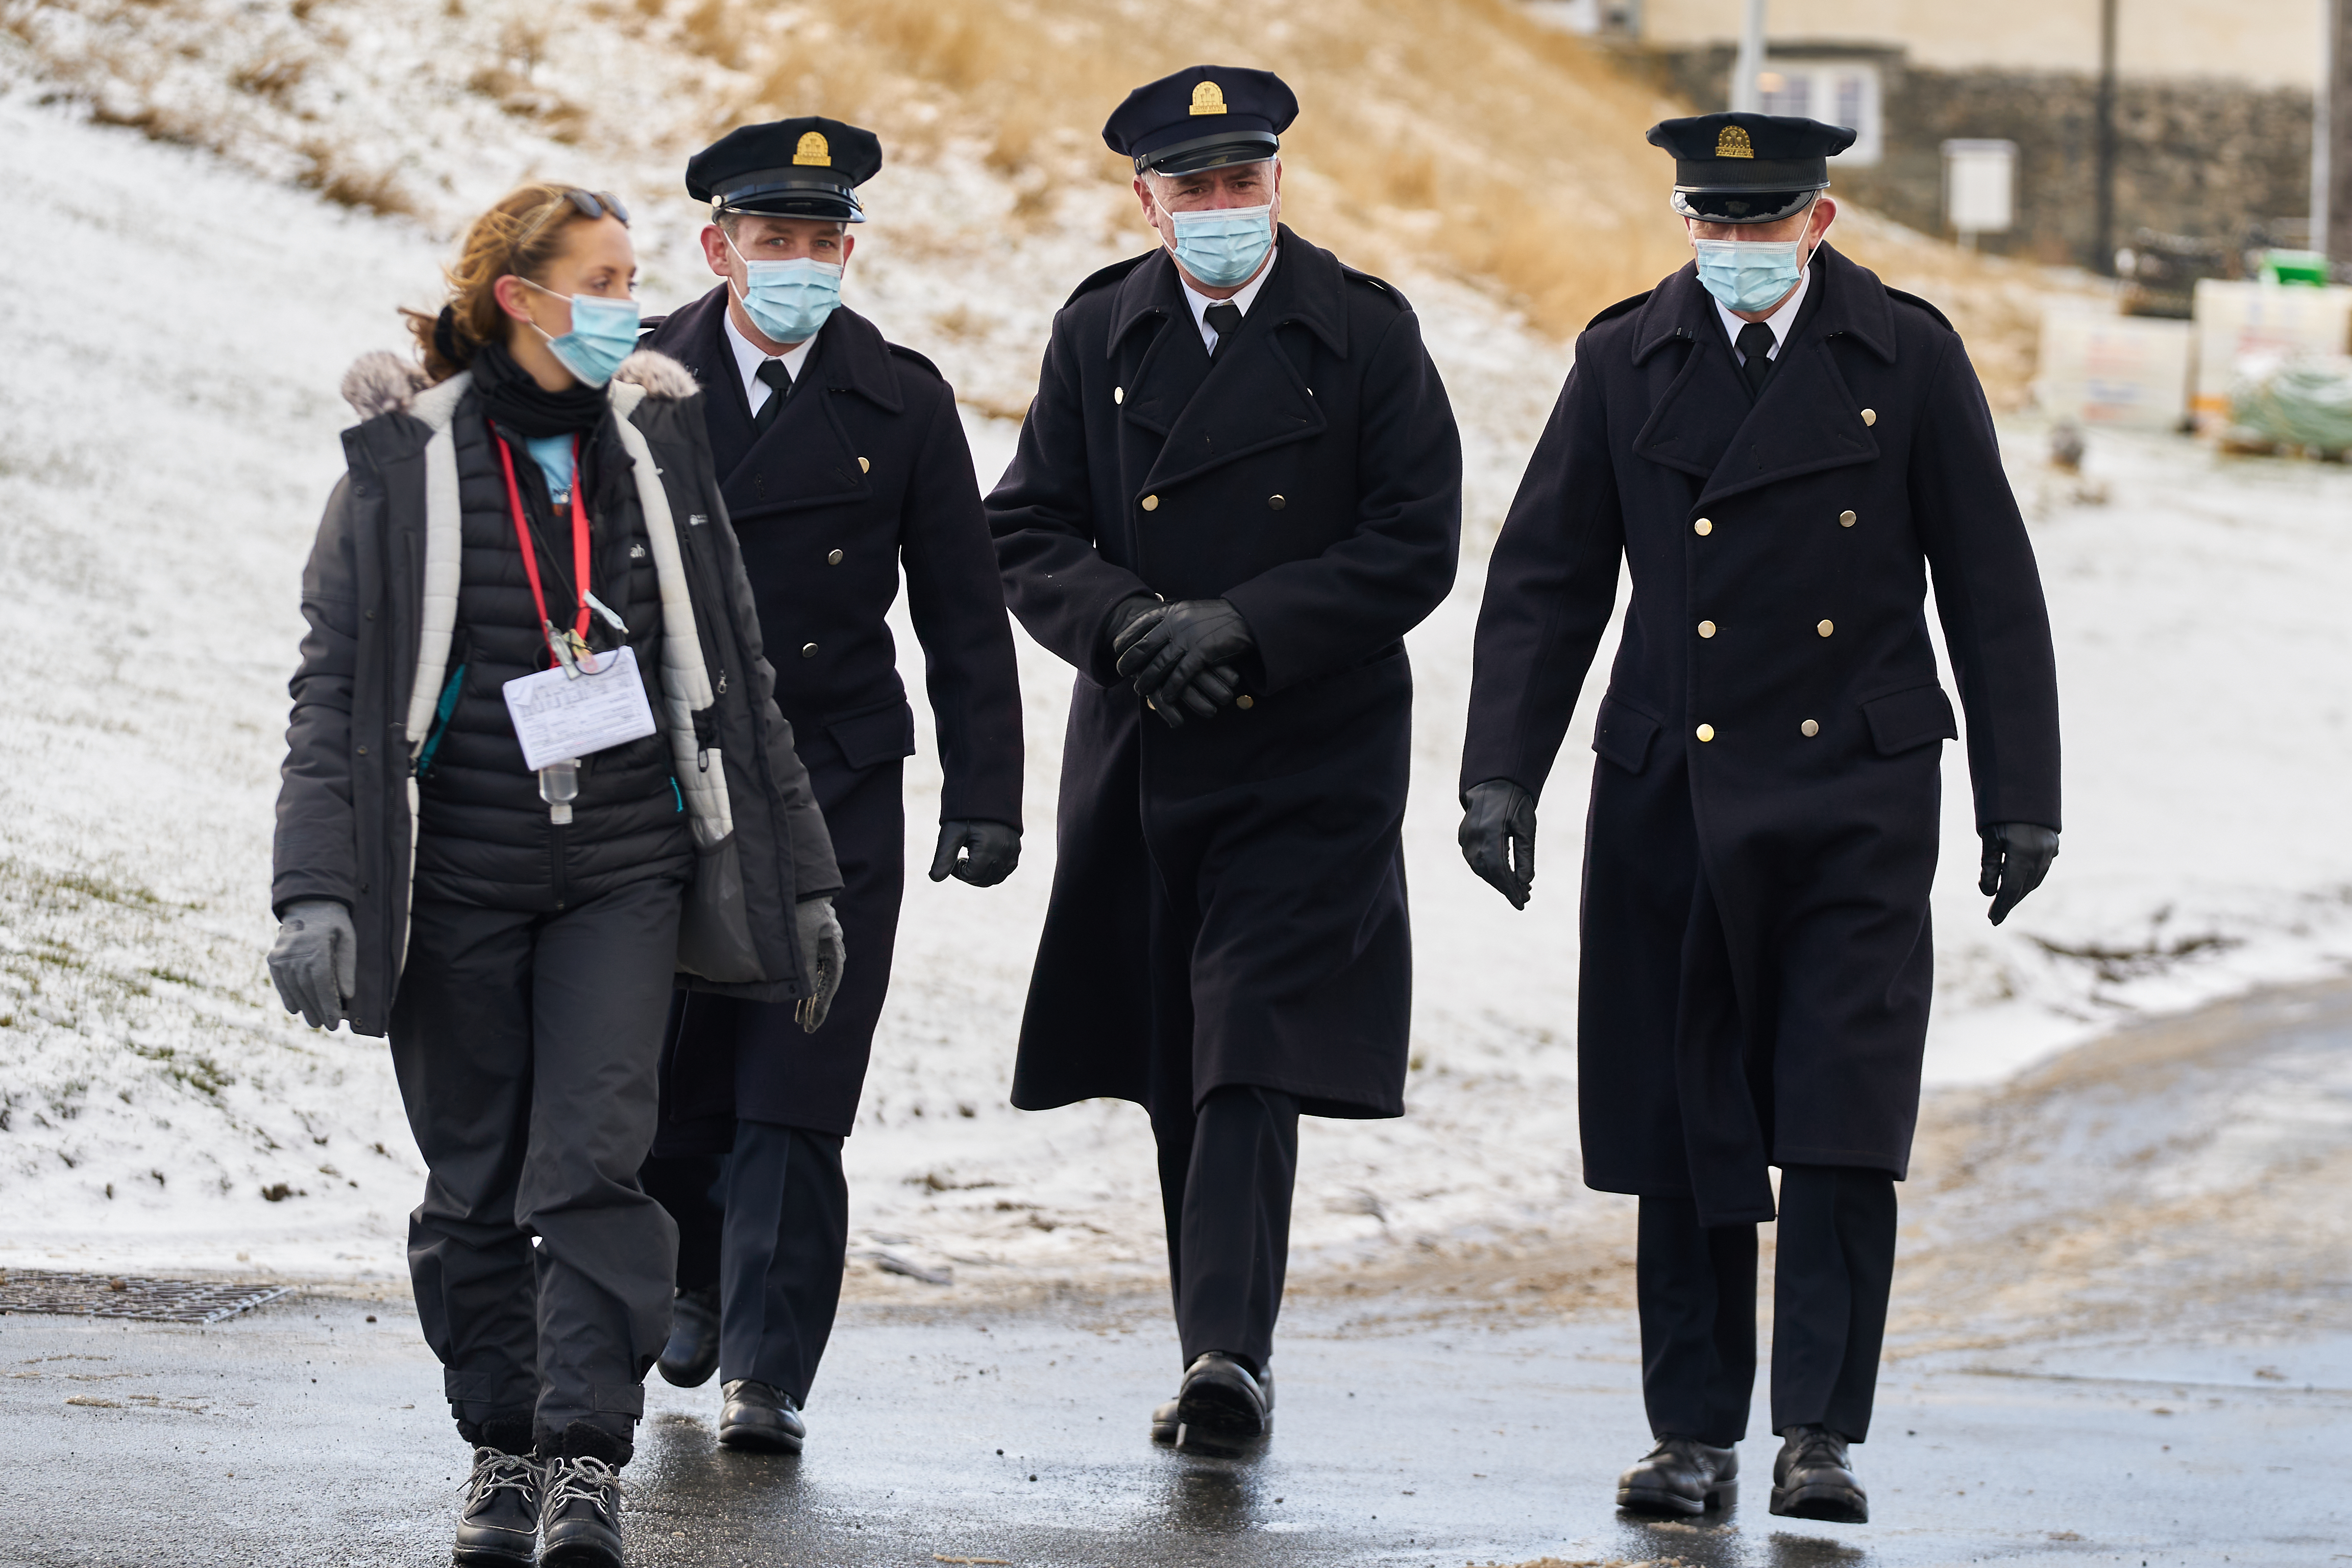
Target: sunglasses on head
x=590 y=205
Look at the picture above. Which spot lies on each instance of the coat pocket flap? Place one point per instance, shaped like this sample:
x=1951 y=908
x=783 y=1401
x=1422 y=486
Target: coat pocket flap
x=1901 y=721
x=1622 y=734
x=883 y=735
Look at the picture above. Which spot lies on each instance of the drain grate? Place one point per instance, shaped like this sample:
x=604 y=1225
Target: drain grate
x=128 y=1296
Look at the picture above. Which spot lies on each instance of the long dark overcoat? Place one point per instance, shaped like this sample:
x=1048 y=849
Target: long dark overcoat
x=1756 y=964
x=1229 y=902
x=864 y=470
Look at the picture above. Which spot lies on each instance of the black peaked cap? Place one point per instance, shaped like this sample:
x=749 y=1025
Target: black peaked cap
x=1201 y=118
x=808 y=167
x=1738 y=167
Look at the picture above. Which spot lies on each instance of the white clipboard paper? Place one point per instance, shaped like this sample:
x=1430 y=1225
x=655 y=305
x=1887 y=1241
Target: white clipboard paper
x=558 y=715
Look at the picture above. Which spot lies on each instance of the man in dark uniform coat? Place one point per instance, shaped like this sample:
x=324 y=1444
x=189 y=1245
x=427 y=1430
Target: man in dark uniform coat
x=842 y=458
x=1780 y=447
x=1238 y=487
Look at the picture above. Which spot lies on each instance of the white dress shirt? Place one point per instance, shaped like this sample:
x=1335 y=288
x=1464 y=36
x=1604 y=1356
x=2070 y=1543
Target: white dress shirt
x=1200 y=302
x=1780 y=321
x=750 y=357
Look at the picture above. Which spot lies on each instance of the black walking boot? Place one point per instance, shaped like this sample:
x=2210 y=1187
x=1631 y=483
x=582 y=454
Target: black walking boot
x=1813 y=1478
x=580 y=1505
x=1680 y=1476
x=692 y=1354
x=760 y=1415
x=497 y=1525
x=1220 y=1407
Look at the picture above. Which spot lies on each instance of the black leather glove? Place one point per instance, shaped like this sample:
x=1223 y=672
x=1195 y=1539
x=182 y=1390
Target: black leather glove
x=1126 y=614
x=1498 y=837
x=1182 y=660
x=990 y=850
x=823 y=956
x=2017 y=856
x=315 y=962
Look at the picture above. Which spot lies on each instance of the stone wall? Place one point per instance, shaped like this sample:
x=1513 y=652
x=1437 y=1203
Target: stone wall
x=2209 y=159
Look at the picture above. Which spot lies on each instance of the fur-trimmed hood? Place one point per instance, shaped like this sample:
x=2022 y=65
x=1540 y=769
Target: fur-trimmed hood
x=383 y=383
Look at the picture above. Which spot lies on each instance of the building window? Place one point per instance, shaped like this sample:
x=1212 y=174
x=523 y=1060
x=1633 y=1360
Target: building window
x=1842 y=92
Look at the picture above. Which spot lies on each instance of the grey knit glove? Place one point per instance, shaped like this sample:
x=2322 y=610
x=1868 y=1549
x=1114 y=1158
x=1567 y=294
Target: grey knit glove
x=315 y=961
x=822 y=957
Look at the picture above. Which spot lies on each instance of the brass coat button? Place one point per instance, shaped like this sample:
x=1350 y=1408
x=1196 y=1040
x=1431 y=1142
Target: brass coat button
x=1151 y=503
x=1870 y=417
x=1846 y=520
x=832 y=557
x=1706 y=731
x=1118 y=395
x=1707 y=628
x=1810 y=729
x=1275 y=503
x=808 y=650
x=1244 y=700
x=864 y=466
x=1826 y=628
x=1703 y=528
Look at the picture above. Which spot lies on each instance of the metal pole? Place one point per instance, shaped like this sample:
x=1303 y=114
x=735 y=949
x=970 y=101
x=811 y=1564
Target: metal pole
x=1745 y=93
x=2329 y=13
x=2102 y=244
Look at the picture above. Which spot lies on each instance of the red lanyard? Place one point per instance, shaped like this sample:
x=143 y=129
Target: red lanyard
x=530 y=556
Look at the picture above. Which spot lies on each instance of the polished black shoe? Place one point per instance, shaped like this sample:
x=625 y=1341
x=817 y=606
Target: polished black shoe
x=692 y=1354
x=1222 y=1406
x=580 y=1514
x=758 y=1415
x=1813 y=1478
x=498 y=1524
x=1680 y=1476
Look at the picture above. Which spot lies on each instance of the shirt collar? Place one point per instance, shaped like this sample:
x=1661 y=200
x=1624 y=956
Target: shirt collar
x=1243 y=300
x=750 y=356
x=1780 y=321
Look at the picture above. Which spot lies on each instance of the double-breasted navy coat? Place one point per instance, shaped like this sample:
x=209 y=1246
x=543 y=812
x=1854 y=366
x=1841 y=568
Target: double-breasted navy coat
x=1763 y=832
x=865 y=469
x=1229 y=901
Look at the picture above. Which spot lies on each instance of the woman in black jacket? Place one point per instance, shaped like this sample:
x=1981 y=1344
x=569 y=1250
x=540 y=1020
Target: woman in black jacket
x=532 y=517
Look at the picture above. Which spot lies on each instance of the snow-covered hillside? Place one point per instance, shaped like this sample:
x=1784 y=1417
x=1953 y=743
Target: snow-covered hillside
x=168 y=428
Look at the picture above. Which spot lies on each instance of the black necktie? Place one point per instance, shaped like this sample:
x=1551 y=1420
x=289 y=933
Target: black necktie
x=1224 y=318
x=780 y=384
x=1755 y=345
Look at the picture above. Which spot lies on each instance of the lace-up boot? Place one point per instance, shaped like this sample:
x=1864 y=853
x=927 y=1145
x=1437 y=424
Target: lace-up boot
x=580 y=1506
x=498 y=1523
x=1680 y=1476
x=1813 y=1478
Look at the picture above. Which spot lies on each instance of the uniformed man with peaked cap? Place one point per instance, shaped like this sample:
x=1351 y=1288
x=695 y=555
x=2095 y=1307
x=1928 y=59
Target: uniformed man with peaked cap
x=842 y=462
x=1237 y=489
x=1781 y=449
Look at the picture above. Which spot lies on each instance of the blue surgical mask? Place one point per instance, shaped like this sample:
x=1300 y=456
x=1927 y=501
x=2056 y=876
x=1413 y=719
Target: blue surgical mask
x=603 y=333
x=789 y=300
x=1223 y=245
x=1749 y=274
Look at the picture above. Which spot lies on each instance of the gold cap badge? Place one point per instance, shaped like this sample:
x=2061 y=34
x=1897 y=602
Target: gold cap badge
x=1208 y=97
x=814 y=152
x=1731 y=144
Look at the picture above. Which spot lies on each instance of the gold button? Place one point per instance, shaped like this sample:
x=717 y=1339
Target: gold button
x=1151 y=503
x=1809 y=729
x=1706 y=731
x=808 y=650
x=1826 y=628
x=1245 y=700
x=1870 y=417
x=1275 y=503
x=832 y=557
x=1118 y=395
x=1846 y=520
x=1703 y=528
x=1707 y=628
x=864 y=466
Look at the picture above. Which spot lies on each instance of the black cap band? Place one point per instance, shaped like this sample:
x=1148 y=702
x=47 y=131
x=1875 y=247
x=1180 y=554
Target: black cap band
x=1751 y=173
x=1210 y=152
x=780 y=190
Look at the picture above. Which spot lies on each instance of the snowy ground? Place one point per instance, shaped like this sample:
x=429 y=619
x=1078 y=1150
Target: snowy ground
x=167 y=431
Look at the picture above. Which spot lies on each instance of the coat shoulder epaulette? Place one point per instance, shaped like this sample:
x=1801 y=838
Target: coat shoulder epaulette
x=1356 y=274
x=1108 y=276
x=1621 y=308
x=907 y=354
x=1899 y=296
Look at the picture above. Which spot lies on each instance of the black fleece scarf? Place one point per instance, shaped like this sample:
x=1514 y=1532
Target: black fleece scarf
x=520 y=405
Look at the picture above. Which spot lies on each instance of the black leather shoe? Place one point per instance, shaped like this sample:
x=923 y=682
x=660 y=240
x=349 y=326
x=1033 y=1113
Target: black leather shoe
x=760 y=1417
x=1680 y=1476
x=498 y=1524
x=1220 y=1407
x=579 y=1508
x=692 y=1354
x=1813 y=1478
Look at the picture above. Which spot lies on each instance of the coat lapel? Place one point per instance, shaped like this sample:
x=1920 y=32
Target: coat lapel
x=806 y=458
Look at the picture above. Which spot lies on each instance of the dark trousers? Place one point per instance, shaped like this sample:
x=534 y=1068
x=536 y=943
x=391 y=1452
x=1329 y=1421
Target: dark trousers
x=1697 y=1286
x=1226 y=1179
x=526 y=1047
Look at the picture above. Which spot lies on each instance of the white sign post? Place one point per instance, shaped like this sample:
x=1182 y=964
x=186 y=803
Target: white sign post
x=1979 y=187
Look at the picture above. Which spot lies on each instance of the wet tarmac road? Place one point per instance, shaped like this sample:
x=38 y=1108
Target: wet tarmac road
x=304 y=1434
